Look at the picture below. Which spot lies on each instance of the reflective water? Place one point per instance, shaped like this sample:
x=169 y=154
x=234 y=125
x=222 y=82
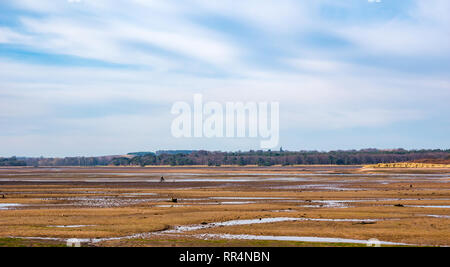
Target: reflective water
x=294 y=238
x=6 y=206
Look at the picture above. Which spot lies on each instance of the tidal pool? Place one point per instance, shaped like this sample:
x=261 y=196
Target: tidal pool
x=7 y=206
x=294 y=238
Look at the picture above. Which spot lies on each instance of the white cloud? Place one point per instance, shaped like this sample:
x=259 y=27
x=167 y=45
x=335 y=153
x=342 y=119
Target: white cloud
x=319 y=90
x=398 y=38
x=423 y=31
x=9 y=36
x=340 y=118
x=197 y=44
x=434 y=11
x=133 y=35
x=286 y=16
x=317 y=65
x=308 y=102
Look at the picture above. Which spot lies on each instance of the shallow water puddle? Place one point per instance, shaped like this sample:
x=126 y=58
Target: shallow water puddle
x=236 y=202
x=7 y=206
x=189 y=228
x=429 y=206
x=293 y=238
x=101 y=201
x=334 y=203
x=282 y=210
x=328 y=187
x=258 y=198
x=439 y=216
x=345 y=203
x=138 y=194
x=331 y=203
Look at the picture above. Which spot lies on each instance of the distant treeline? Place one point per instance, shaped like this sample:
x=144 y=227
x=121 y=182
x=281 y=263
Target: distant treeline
x=68 y=161
x=161 y=152
x=269 y=158
x=260 y=158
x=12 y=162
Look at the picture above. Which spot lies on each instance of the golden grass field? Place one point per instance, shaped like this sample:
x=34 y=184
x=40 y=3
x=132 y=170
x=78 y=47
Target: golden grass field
x=125 y=206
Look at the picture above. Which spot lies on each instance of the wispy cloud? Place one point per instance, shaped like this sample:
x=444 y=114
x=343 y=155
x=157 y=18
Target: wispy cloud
x=334 y=66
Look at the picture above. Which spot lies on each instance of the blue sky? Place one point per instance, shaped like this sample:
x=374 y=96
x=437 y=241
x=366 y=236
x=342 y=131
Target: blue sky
x=95 y=77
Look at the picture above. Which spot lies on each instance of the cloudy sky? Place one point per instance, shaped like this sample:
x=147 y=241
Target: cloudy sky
x=95 y=77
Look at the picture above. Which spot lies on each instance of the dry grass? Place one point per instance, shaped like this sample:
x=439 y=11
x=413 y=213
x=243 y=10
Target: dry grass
x=49 y=204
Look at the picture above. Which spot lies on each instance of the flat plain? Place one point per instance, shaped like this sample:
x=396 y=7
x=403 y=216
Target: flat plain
x=224 y=206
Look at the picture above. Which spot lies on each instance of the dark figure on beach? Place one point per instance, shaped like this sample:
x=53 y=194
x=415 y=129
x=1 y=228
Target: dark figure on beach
x=162 y=179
